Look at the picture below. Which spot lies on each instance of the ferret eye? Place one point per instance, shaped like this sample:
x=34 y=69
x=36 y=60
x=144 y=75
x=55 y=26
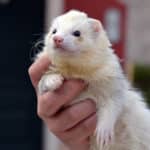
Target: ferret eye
x=54 y=31
x=77 y=33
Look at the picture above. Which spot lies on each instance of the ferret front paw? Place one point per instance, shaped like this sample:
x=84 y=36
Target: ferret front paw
x=104 y=135
x=50 y=82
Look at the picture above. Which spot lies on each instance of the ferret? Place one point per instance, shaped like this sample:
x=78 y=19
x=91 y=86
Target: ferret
x=78 y=47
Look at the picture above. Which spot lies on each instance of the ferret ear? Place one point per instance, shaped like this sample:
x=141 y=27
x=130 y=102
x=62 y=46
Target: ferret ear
x=95 y=24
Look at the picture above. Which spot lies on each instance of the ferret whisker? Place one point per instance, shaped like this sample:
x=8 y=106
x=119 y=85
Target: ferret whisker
x=36 y=48
x=39 y=43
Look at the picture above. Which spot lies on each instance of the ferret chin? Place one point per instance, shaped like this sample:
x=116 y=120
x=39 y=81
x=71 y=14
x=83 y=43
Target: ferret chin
x=79 y=48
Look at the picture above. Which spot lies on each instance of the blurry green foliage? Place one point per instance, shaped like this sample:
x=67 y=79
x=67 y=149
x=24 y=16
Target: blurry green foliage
x=142 y=80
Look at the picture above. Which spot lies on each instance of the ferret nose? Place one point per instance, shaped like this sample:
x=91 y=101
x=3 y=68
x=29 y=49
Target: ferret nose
x=58 y=40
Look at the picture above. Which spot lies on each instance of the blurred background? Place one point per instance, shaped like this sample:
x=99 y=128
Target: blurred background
x=24 y=22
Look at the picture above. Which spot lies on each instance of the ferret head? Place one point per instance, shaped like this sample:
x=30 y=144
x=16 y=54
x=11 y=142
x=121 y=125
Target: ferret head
x=74 y=33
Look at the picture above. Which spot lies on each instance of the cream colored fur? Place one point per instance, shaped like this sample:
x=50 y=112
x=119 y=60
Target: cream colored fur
x=123 y=119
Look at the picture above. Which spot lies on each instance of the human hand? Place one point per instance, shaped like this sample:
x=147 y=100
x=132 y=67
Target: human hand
x=74 y=124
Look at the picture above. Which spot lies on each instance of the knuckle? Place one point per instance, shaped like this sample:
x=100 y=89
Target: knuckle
x=40 y=107
x=46 y=106
x=31 y=71
x=46 y=100
x=40 y=112
x=42 y=103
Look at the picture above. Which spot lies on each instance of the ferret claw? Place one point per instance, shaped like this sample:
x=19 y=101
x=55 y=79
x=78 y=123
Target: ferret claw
x=104 y=137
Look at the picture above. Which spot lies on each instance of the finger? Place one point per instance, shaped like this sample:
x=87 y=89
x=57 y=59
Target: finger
x=72 y=115
x=81 y=132
x=50 y=102
x=38 y=68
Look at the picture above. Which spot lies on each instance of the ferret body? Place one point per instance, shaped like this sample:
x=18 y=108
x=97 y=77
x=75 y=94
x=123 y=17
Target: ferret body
x=79 y=48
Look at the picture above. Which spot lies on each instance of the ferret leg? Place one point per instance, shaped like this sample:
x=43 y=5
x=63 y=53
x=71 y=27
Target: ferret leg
x=50 y=82
x=107 y=116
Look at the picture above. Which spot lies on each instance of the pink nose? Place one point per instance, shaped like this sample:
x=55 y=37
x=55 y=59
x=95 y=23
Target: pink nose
x=58 y=40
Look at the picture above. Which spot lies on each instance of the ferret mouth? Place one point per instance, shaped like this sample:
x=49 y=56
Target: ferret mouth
x=62 y=49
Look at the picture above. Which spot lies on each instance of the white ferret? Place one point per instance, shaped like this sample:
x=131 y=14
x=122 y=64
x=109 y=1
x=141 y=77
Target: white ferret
x=78 y=47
